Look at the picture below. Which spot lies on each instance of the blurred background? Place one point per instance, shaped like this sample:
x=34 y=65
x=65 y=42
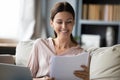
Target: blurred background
x=97 y=22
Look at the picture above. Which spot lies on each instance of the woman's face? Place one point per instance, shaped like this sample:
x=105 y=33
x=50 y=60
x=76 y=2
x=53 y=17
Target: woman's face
x=63 y=24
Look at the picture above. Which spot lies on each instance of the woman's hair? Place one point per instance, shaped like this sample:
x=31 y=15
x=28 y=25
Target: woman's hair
x=60 y=7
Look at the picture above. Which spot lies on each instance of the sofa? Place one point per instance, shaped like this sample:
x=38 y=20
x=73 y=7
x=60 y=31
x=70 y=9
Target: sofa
x=104 y=64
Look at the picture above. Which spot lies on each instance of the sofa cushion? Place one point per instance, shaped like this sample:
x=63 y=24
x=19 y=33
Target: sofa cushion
x=22 y=52
x=105 y=63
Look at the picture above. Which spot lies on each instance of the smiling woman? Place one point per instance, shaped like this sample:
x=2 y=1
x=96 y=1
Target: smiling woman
x=9 y=13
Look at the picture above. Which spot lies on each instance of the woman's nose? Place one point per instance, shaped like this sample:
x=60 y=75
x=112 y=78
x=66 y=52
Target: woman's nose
x=64 y=25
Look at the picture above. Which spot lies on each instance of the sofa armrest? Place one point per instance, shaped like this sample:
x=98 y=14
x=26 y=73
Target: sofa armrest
x=6 y=58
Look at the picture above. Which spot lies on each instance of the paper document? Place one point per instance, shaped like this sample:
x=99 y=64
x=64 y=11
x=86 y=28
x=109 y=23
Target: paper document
x=63 y=67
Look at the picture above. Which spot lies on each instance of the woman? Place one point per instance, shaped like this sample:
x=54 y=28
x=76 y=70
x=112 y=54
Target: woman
x=62 y=21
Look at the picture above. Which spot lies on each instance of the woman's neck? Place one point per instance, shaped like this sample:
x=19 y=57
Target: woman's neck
x=63 y=43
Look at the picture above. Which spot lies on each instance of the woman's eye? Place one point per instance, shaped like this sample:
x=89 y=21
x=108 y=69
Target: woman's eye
x=59 y=22
x=69 y=21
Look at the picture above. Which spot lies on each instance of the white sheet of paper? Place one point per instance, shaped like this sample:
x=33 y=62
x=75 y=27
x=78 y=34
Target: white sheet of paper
x=63 y=67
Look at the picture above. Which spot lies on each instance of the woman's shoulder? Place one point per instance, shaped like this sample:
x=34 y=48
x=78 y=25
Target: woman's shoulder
x=43 y=40
x=79 y=49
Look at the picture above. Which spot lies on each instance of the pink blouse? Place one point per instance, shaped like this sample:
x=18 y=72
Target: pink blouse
x=42 y=51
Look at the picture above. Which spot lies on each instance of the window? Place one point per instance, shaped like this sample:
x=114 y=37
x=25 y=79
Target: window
x=9 y=16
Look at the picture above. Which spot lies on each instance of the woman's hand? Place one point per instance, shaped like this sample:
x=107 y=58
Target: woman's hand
x=84 y=74
x=48 y=78
x=44 y=78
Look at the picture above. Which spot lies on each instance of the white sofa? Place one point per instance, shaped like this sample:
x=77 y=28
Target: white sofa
x=104 y=65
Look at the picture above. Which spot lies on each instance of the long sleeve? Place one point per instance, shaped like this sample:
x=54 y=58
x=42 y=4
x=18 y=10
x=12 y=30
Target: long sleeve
x=39 y=58
x=33 y=63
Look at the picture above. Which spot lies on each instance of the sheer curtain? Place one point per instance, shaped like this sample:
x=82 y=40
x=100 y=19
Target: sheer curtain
x=22 y=19
x=31 y=23
x=9 y=12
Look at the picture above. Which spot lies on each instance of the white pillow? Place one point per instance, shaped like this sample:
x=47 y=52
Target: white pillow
x=105 y=63
x=23 y=50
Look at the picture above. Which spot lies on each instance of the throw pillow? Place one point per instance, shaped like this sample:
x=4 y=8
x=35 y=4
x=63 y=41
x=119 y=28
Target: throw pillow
x=105 y=63
x=22 y=52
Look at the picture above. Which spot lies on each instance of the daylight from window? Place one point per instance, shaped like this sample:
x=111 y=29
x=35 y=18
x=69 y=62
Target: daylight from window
x=9 y=15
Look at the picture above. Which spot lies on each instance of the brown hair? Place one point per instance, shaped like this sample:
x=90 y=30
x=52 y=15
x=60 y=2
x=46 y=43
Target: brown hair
x=60 y=7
